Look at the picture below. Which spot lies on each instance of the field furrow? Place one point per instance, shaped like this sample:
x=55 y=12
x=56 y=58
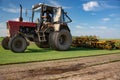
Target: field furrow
x=95 y=67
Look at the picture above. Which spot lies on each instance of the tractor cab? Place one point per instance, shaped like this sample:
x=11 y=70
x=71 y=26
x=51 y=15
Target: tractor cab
x=45 y=14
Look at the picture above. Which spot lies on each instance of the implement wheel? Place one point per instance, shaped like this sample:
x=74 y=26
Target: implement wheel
x=18 y=44
x=5 y=42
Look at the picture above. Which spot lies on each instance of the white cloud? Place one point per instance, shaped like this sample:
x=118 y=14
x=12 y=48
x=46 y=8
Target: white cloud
x=101 y=31
x=98 y=5
x=3 y=30
x=12 y=9
x=15 y=19
x=98 y=27
x=2 y=25
x=66 y=7
x=102 y=27
x=85 y=24
x=105 y=5
x=112 y=15
x=55 y=3
x=79 y=27
x=105 y=19
x=91 y=6
x=92 y=27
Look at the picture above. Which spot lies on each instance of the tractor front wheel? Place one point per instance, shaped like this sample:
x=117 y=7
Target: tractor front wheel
x=5 y=42
x=18 y=44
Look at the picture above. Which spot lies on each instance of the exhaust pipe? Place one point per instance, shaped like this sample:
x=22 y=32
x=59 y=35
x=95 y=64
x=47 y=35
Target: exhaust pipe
x=20 y=18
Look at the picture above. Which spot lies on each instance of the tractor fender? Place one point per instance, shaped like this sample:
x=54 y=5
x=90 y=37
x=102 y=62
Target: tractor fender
x=58 y=27
x=24 y=36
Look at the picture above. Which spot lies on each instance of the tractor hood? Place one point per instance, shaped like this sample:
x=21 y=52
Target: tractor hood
x=17 y=23
x=14 y=26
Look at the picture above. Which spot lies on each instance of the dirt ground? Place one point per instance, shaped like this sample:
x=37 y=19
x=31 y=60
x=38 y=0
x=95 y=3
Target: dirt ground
x=104 y=67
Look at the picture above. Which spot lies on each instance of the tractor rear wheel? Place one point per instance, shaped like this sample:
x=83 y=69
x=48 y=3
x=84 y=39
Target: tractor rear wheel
x=61 y=40
x=5 y=42
x=42 y=44
x=51 y=40
x=18 y=44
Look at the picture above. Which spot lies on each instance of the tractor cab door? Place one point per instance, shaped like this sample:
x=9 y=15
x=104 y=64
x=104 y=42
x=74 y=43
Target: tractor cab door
x=36 y=18
x=56 y=19
x=36 y=15
x=60 y=17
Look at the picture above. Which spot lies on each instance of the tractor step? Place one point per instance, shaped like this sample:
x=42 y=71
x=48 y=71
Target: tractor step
x=41 y=36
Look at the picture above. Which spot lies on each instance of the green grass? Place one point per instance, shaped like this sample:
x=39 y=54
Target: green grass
x=107 y=39
x=34 y=53
x=1 y=38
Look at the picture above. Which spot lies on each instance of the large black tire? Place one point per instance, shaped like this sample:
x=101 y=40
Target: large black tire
x=18 y=44
x=42 y=44
x=5 y=42
x=52 y=40
x=61 y=40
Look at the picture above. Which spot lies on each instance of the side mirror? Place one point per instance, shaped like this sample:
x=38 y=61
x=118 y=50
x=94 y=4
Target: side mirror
x=65 y=12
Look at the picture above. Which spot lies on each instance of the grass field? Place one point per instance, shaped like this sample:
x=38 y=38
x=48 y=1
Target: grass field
x=1 y=39
x=33 y=53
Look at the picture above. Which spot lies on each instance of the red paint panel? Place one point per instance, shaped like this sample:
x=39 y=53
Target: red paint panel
x=15 y=25
x=28 y=24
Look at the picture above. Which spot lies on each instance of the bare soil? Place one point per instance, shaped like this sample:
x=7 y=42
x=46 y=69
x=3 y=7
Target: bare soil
x=104 y=67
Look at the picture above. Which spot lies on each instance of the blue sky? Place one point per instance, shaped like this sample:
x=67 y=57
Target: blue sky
x=90 y=17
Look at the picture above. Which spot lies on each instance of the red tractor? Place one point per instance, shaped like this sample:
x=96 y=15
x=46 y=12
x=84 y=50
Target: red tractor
x=48 y=29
